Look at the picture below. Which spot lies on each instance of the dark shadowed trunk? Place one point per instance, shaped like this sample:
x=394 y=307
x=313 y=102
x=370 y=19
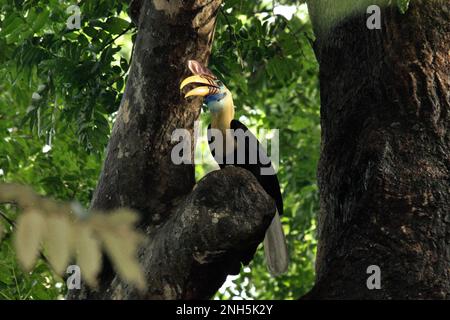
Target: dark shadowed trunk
x=384 y=172
x=195 y=237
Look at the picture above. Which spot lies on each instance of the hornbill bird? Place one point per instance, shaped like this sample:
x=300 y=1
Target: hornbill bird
x=246 y=153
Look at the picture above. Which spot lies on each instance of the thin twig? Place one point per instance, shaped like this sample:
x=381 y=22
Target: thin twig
x=228 y=23
x=5 y=217
x=232 y=35
x=117 y=37
x=131 y=55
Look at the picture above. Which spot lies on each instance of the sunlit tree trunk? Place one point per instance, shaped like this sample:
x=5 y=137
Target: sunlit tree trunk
x=384 y=171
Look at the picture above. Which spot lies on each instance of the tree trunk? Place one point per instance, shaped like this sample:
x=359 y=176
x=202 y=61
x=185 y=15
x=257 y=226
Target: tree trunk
x=384 y=172
x=195 y=237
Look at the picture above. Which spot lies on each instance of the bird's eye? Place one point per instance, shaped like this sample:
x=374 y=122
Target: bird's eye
x=219 y=83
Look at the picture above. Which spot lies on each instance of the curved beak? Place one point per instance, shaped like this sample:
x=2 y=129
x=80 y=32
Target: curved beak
x=208 y=86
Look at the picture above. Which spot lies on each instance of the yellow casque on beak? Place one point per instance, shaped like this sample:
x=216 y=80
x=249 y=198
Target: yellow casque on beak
x=194 y=79
x=199 y=91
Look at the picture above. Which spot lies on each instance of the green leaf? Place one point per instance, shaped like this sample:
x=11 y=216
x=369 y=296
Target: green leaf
x=11 y=23
x=40 y=21
x=116 y=25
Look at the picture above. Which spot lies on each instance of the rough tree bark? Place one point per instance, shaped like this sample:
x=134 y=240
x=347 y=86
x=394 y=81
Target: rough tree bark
x=195 y=236
x=384 y=171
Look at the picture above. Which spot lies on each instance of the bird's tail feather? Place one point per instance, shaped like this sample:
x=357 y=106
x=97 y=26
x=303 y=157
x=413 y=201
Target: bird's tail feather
x=275 y=248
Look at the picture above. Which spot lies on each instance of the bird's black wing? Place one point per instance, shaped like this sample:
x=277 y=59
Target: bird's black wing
x=262 y=168
x=267 y=178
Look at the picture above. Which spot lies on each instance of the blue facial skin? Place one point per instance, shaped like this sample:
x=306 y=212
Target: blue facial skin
x=214 y=102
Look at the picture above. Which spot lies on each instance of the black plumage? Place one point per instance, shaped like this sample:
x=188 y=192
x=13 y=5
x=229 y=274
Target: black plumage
x=269 y=182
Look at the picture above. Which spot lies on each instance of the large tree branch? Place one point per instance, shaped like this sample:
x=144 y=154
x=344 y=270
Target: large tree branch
x=215 y=229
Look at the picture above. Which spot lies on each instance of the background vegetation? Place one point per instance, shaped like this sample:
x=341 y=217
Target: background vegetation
x=60 y=90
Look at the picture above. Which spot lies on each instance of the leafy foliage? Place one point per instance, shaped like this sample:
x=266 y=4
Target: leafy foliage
x=63 y=236
x=60 y=90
